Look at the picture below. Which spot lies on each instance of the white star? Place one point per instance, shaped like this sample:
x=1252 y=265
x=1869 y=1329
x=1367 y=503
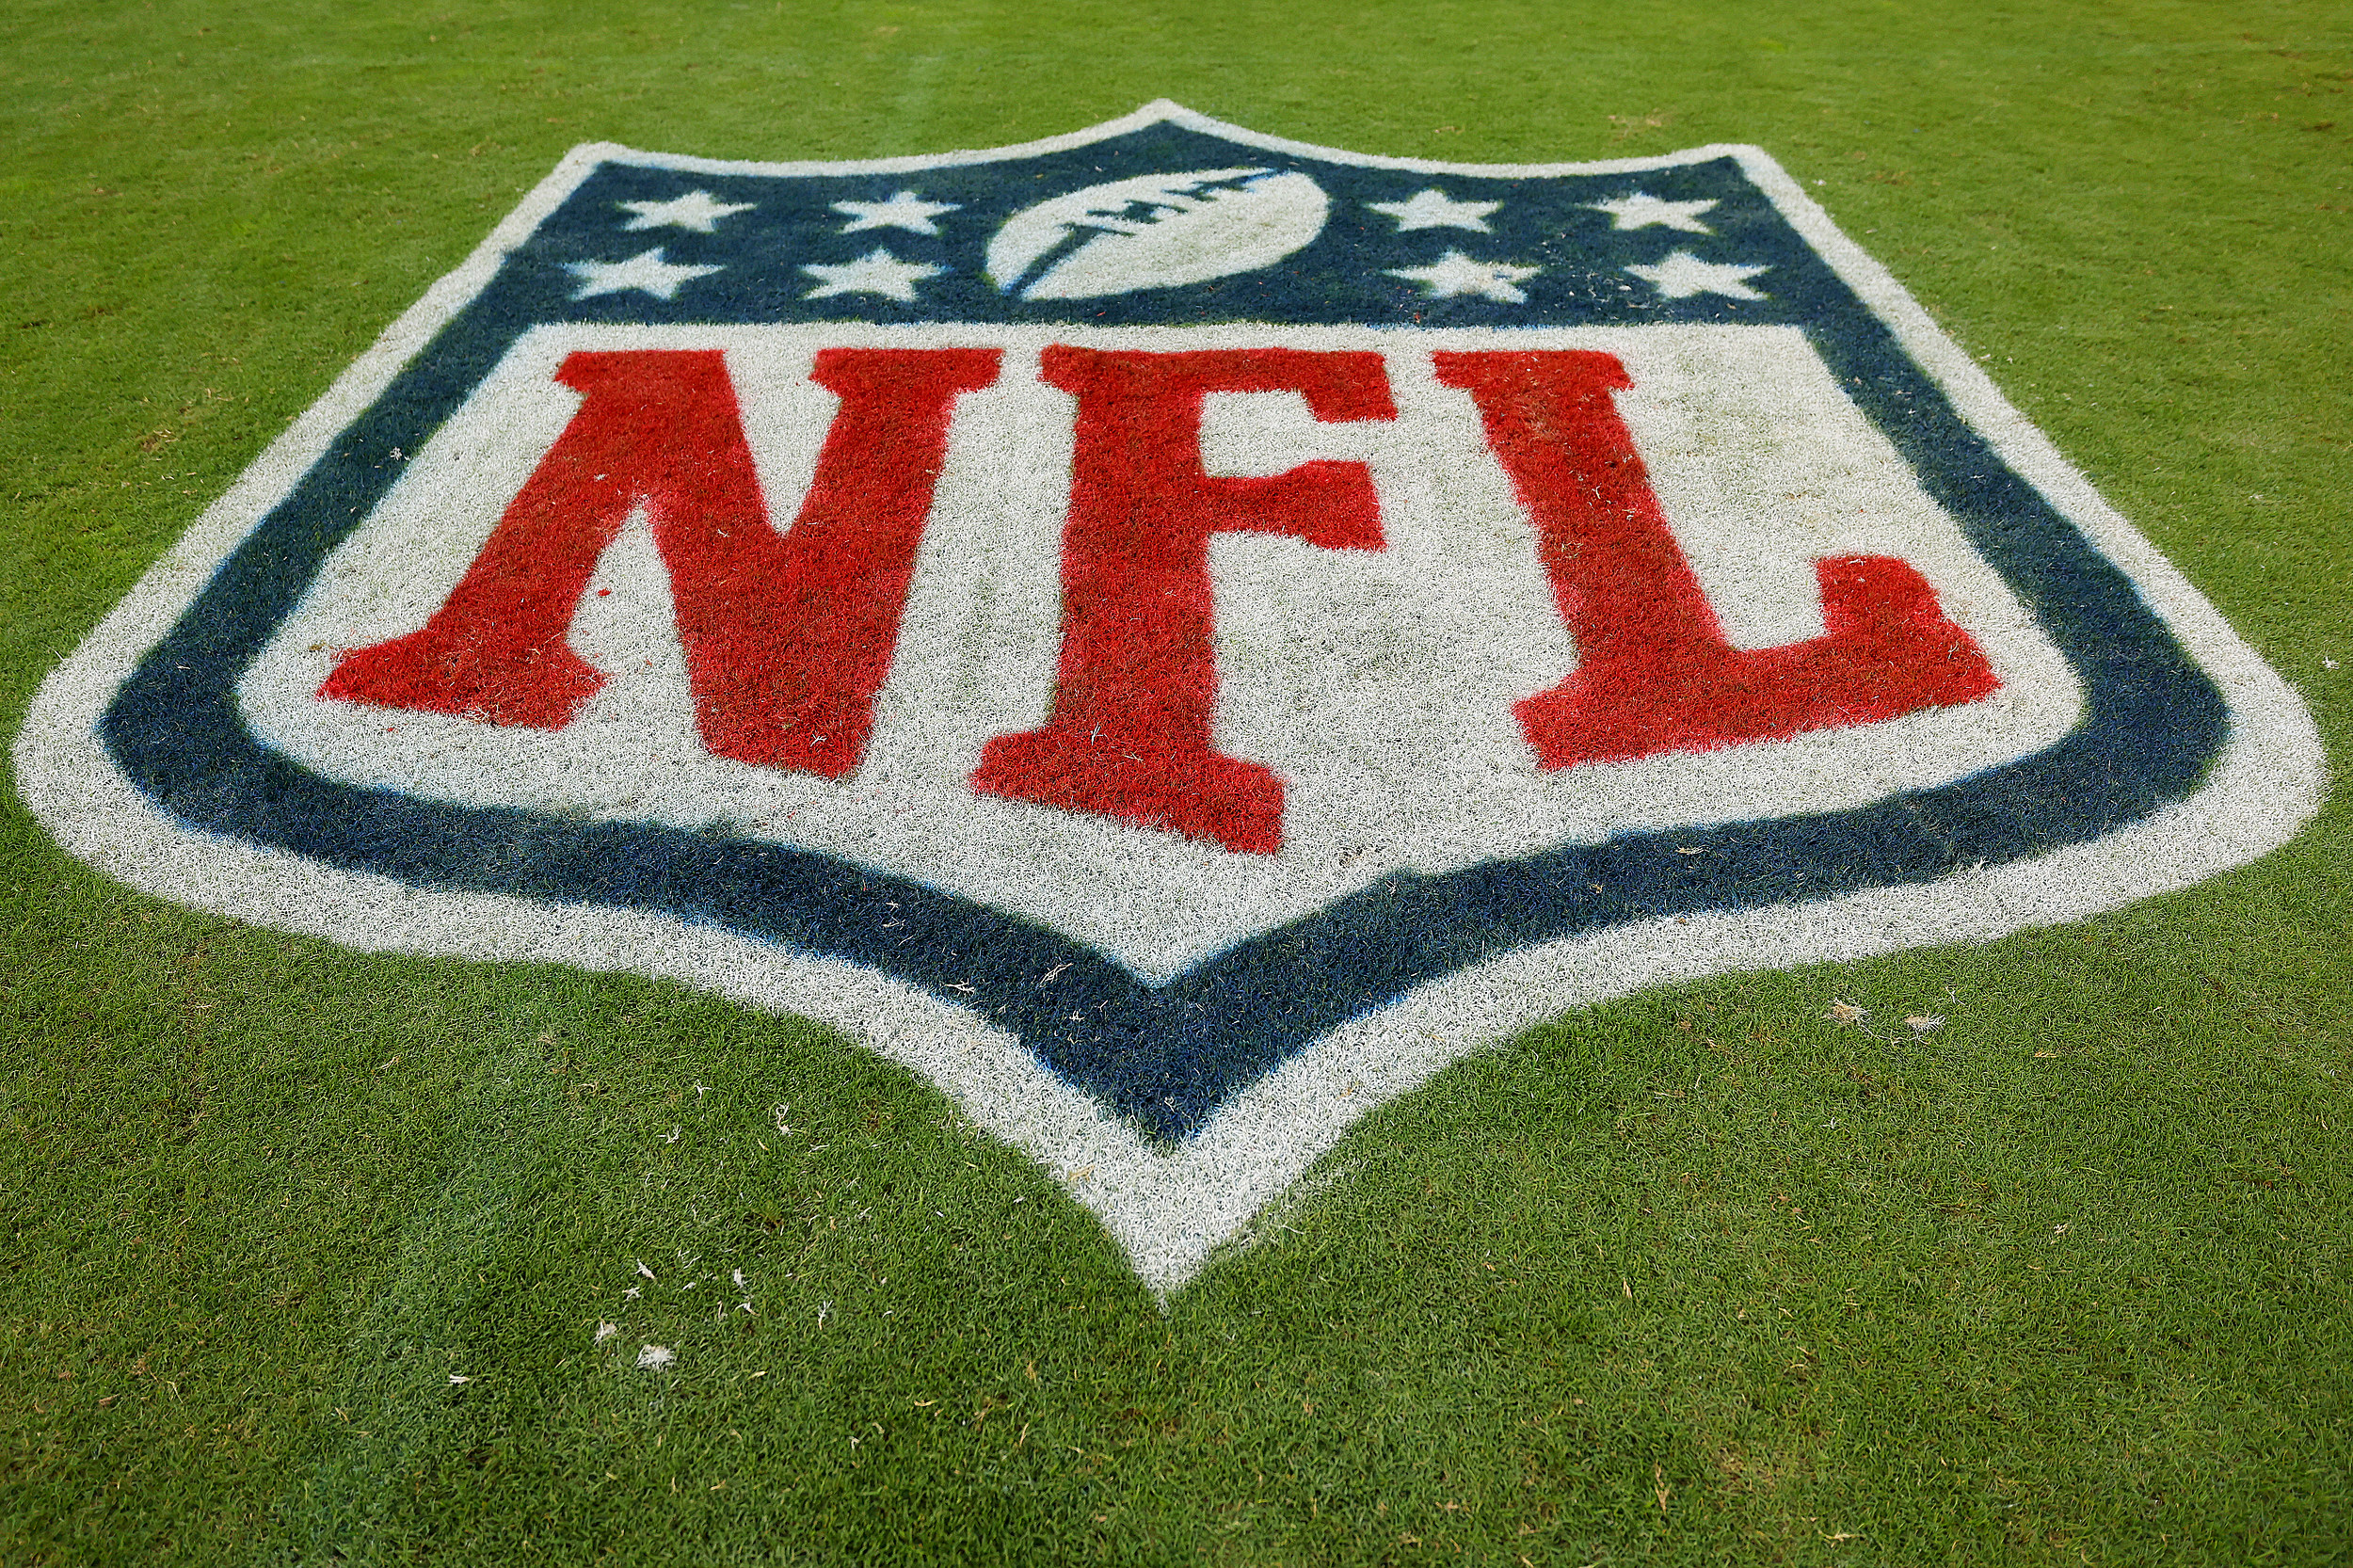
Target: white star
x=905 y=210
x=646 y=270
x=1455 y=272
x=1683 y=275
x=1640 y=211
x=1430 y=209
x=696 y=210
x=877 y=272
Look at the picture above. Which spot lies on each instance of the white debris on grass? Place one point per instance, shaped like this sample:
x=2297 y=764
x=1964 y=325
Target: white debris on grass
x=655 y=1357
x=606 y=1331
x=1923 y=1023
x=1844 y=1011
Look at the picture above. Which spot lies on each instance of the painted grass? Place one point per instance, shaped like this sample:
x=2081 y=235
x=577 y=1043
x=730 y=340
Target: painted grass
x=1699 y=1277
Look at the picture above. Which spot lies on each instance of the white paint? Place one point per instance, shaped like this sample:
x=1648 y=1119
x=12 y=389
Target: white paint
x=1379 y=684
x=697 y=210
x=1168 y=1211
x=1434 y=208
x=1455 y=274
x=1683 y=275
x=877 y=272
x=645 y=272
x=1159 y=231
x=903 y=210
x=1641 y=209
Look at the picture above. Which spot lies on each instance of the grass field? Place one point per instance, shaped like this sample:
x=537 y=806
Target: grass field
x=1703 y=1276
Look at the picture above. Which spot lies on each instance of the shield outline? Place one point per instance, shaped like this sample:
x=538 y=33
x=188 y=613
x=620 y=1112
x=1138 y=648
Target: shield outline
x=1168 y=1208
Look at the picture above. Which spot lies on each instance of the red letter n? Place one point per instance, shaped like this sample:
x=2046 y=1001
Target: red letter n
x=1137 y=691
x=1654 y=671
x=786 y=637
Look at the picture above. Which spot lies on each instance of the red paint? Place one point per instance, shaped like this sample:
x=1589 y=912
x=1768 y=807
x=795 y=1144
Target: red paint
x=1654 y=673
x=1137 y=689
x=786 y=635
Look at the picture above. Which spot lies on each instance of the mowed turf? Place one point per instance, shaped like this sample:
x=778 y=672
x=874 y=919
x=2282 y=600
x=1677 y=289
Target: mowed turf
x=305 y=1250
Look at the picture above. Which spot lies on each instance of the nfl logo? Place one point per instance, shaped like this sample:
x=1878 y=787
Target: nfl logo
x=1173 y=633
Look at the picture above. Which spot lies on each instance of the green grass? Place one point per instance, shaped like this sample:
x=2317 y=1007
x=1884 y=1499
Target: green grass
x=1697 y=1277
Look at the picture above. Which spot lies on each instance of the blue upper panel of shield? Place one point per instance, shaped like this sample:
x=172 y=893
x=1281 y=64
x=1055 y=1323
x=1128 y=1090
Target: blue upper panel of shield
x=1346 y=274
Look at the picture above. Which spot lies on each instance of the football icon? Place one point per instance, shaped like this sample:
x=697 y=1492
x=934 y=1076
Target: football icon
x=1156 y=232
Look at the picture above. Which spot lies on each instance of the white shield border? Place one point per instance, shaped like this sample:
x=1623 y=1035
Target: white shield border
x=1168 y=1210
